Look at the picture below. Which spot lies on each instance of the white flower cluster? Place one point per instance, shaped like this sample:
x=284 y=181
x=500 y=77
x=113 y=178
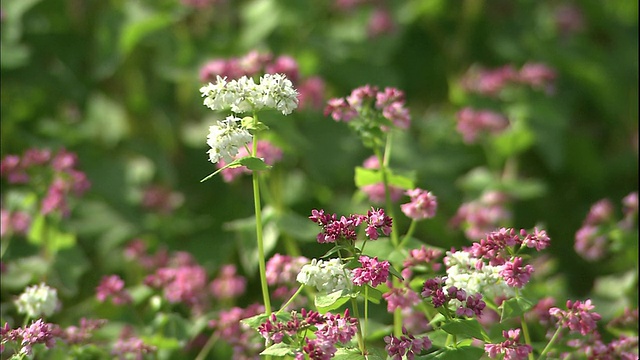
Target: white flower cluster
x=326 y=276
x=225 y=138
x=274 y=91
x=37 y=301
x=464 y=272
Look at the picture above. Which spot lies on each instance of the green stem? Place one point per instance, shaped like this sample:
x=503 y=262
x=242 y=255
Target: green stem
x=412 y=229
x=548 y=347
x=366 y=312
x=291 y=298
x=258 y=211
x=363 y=349
x=525 y=332
x=207 y=347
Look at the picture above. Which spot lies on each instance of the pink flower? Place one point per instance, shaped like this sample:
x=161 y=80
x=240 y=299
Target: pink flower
x=423 y=204
x=377 y=221
x=311 y=93
x=372 y=272
x=511 y=348
x=380 y=22
x=423 y=256
x=376 y=192
x=514 y=274
x=578 y=317
x=405 y=346
x=590 y=244
x=284 y=65
x=228 y=285
x=538 y=240
x=470 y=123
x=400 y=297
x=113 y=287
x=538 y=76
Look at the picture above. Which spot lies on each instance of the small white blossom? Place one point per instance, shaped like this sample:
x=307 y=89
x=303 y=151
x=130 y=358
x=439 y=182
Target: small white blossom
x=326 y=276
x=225 y=138
x=468 y=273
x=37 y=301
x=274 y=91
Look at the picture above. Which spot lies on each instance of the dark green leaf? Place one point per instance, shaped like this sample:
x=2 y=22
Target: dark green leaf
x=515 y=307
x=467 y=327
x=279 y=349
x=332 y=301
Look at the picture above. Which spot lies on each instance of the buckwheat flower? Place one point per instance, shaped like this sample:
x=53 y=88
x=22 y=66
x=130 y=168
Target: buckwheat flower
x=55 y=200
x=286 y=65
x=228 y=285
x=510 y=348
x=337 y=328
x=424 y=257
x=311 y=93
x=184 y=283
x=36 y=157
x=226 y=138
x=600 y=212
x=75 y=335
x=340 y=110
x=319 y=349
x=538 y=240
x=472 y=275
x=630 y=210
x=161 y=199
x=407 y=346
x=377 y=221
x=494 y=246
x=326 y=276
x=113 y=287
x=482 y=216
x=538 y=76
x=334 y=229
x=128 y=344
x=423 y=204
x=372 y=272
x=278 y=93
x=578 y=317
x=268 y=152
x=590 y=243
x=361 y=96
x=380 y=22
x=540 y=311
x=514 y=274
x=400 y=297
x=489 y=82
x=470 y=123
x=37 y=301
x=38 y=332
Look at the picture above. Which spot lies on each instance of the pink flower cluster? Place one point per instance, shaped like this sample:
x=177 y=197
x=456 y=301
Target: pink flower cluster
x=311 y=90
x=372 y=272
x=281 y=272
x=423 y=204
x=266 y=151
x=376 y=192
x=406 y=346
x=510 y=348
x=228 y=285
x=39 y=332
x=182 y=283
x=330 y=330
x=58 y=170
x=377 y=222
x=16 y=222
x=113 y=287
x=471 y=123
x=380 y=21
x=244 y=341
x=423 y=257
x=387 y=105
x=490 y=82
x=402 y=297
x=469 y=305
x=578 y=317
x=481 y=216
x=592 y=240
x=161 y=199
x=494 y=246
x=129 y=344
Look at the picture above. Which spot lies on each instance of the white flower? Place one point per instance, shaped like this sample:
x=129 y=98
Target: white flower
x=225 y=138
x=274 y=91
x=326 y=276
x=465 y=272
x=37 y=301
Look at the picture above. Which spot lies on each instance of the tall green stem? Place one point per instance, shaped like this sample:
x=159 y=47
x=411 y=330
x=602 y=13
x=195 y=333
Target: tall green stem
x=258 y=211
x=361 y=344
x=550 y=343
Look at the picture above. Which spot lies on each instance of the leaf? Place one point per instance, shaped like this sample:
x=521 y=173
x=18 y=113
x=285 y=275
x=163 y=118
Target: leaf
x=349 y=354
x=255 y=321
x=253 y=163
x=372 y=294
x=393 y=271
x=141 y=22
x=365 y=177
x=514 y=307
x=279 y=349
x=297 y=226
x=332 y=301
x=468 y=327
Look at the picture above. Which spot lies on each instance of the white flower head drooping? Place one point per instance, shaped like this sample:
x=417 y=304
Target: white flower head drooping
x=326 y=276
x=37 y=301
x=274 y=91
x=225 y=138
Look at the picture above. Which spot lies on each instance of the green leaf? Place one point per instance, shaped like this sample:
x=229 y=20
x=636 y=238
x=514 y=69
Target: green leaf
x=253 y=163
x=141 y=22
x=349 y=354
x=515 y=307
x=365 y=177
x=457 y=353
x=393 y=271
x=332 y=301
x=468 y=327
x=372 y=294
x=297 y=226
x=257 y=320
x=279 y=349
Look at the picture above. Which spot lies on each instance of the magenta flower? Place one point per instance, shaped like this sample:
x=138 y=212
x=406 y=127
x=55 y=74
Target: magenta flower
x=538 y=240
x=494 y=246
x=377 y=221
x=488 y=82
x=113 y=287
x=284 y=64
x=578 y=317
x=423 y=204
x=470 y=123
x=228 y=285
x=514 y=274
x=482 y=216
x=372 y=272
x=337 y=328
x=423 y=256
x=311 y=93
x=405 y=346
x=510 y=348
x=590 y=243
x=244 y=340
x=319 y=349
x=538 y=76
x=400 y=297
x=377 y=192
